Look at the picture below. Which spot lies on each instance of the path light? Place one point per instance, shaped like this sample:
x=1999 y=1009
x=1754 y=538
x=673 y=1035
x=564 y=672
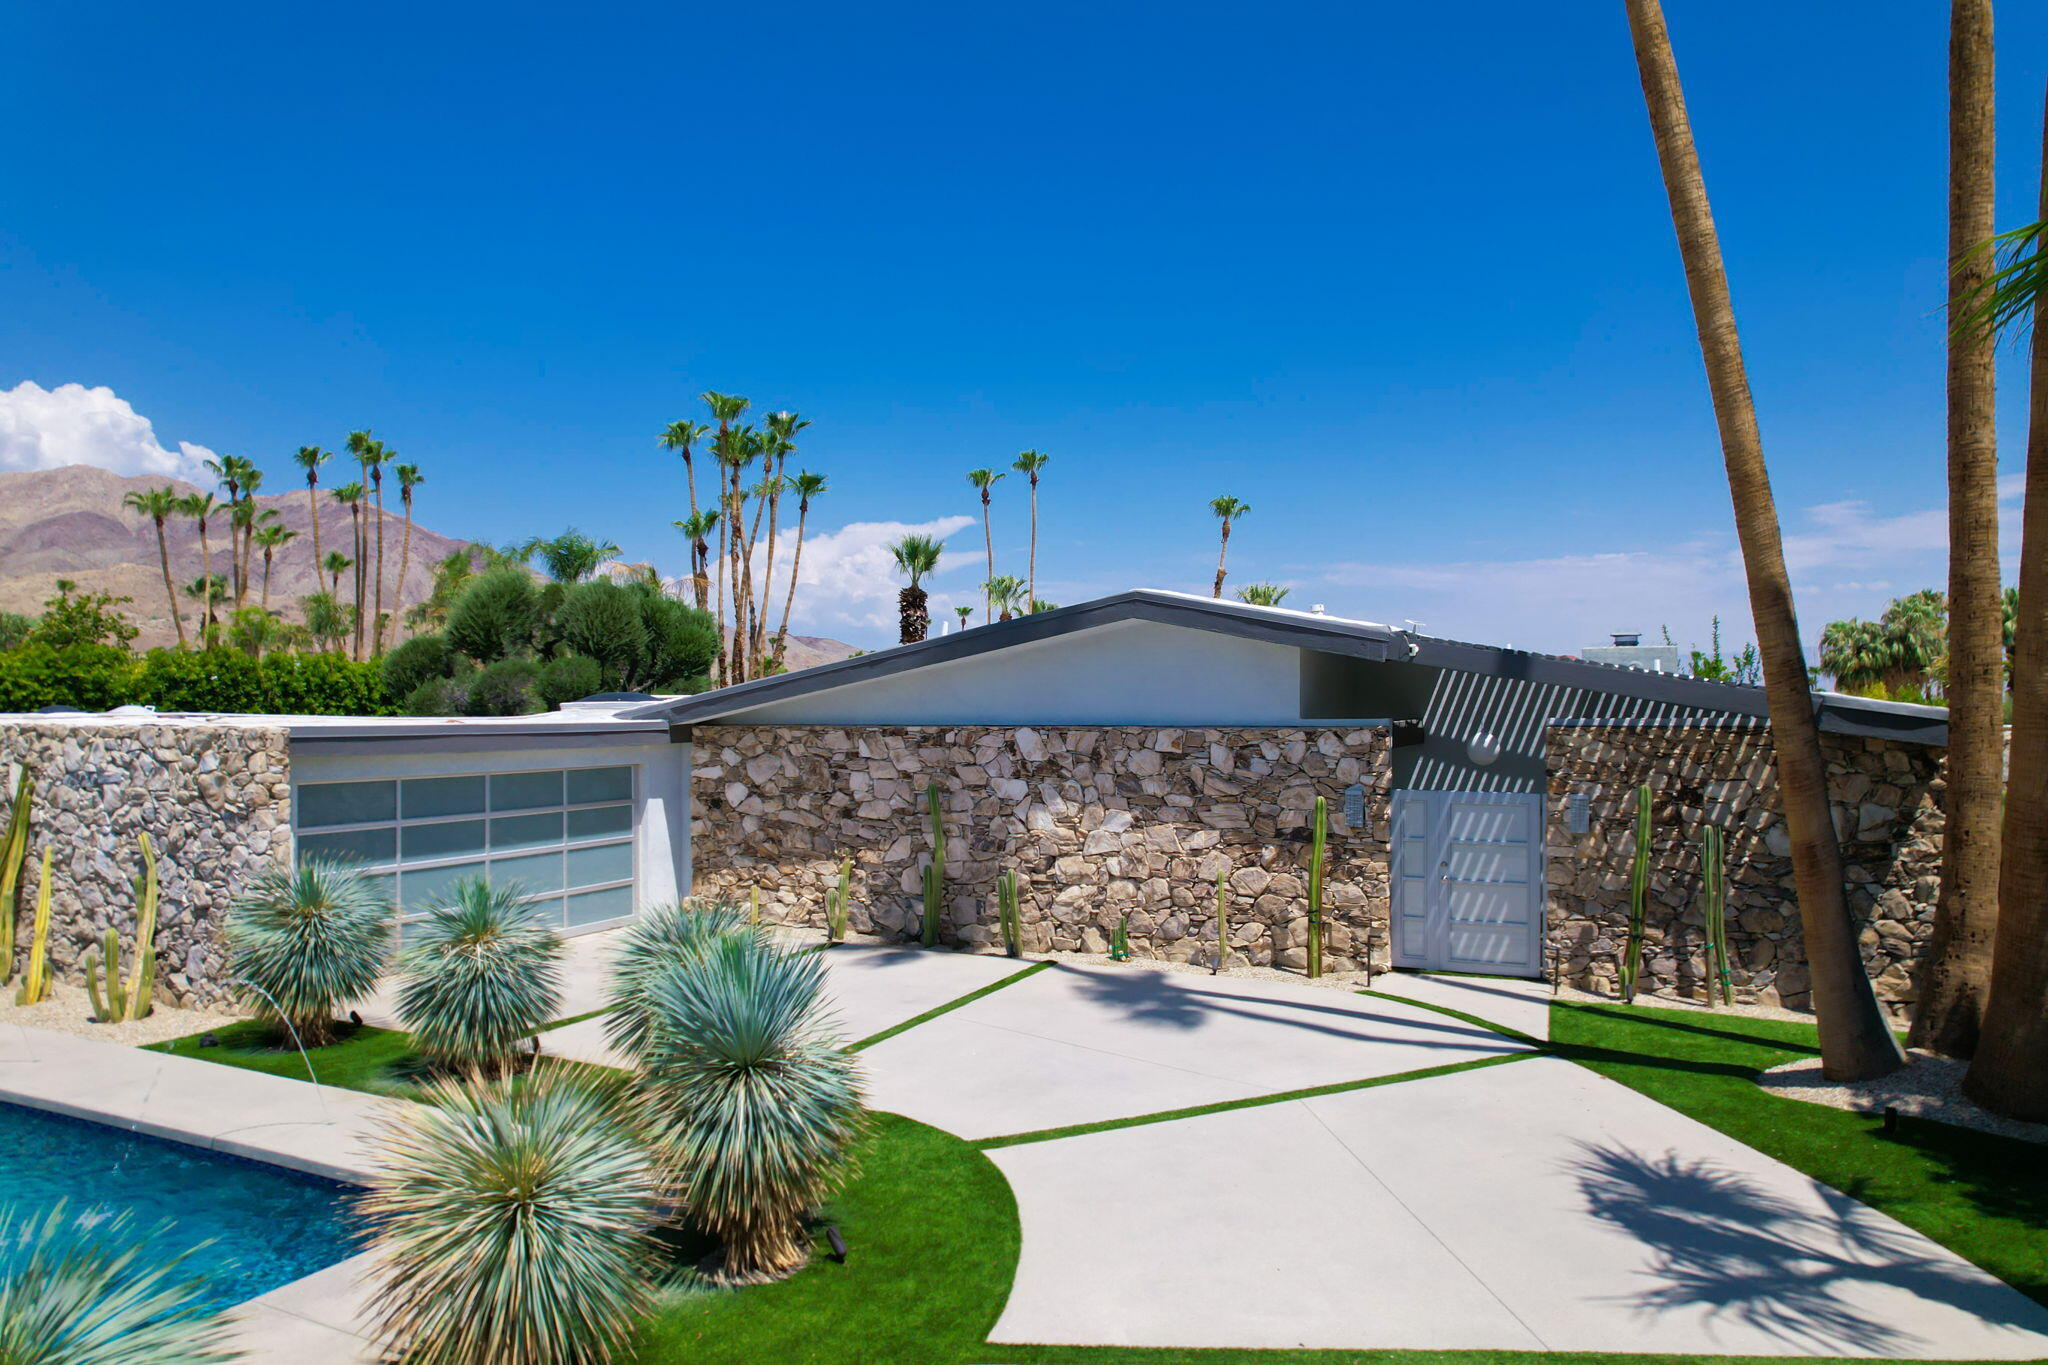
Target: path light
x=838 y=1242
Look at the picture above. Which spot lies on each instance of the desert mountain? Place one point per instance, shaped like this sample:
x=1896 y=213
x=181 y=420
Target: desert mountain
x=69 y=523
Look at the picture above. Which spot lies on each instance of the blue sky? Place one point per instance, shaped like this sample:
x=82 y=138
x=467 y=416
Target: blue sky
x=1401 y=277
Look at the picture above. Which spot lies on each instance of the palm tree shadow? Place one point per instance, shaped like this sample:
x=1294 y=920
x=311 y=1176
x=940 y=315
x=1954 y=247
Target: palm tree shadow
x=1723 y=1244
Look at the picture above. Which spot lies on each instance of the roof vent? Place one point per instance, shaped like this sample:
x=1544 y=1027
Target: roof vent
x=1627 y=639
x=1317 y=610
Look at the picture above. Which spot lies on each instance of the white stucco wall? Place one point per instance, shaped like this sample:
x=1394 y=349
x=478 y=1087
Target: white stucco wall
x=662 y=808
x=1130 y=673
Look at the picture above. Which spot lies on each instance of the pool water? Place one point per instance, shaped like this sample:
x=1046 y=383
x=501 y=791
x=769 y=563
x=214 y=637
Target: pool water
x=267 y=1226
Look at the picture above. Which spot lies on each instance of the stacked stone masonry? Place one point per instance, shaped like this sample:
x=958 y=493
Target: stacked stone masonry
x=1099 y=823
x=216 y=803
x=1886 y=799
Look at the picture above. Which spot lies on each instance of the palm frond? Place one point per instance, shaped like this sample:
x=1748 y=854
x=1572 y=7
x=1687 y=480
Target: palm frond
x=2006 y=302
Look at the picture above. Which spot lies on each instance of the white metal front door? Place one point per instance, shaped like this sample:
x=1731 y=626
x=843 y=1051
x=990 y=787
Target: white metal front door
x=1468 y=881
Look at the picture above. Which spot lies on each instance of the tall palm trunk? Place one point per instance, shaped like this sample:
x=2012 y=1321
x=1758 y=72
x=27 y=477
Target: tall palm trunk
x=377 y=615
x=355 y=519
x=1031 y=573
x=1222 y=553
x=1854 y=1038
x=163 y=557
x=266 y=578
x=1958 y=970
x=768 y=577
x=206 y=568
x=988 y=545
x=2010 y=1071
x=313 y=506
x=753 y=614
x=796 y=564
x=404 y=562
x=725 y=677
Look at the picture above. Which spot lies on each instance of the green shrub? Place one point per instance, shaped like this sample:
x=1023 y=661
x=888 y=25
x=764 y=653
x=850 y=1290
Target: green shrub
x=757 y=1104
x=97 y=1291
x=306 y=941
x=324 y=685
x=647 y=945
x=440 y=697
x=482 y=972
x=604 y=622
x=681 y=643
x=494 y=617
x=569 y=678
x=419 y=660
x=14 y=629
x=89 y=677
x=501 y=688
x=89 y=618
x=515 y=1224
x=200 y=680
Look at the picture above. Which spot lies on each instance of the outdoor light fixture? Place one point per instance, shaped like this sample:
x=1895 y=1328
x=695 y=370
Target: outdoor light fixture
x=838 y=1242
x=1483 y=748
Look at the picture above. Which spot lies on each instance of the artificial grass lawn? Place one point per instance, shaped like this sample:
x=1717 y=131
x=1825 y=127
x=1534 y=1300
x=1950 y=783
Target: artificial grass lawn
x=376 y=1061
x=1983 y=1197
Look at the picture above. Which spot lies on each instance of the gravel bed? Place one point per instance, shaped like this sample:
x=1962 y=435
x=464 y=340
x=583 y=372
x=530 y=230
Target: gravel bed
x=69 y=1010
x=1928 y=1087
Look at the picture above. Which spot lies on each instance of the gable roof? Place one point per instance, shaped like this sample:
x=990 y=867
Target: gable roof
x=1301 y=630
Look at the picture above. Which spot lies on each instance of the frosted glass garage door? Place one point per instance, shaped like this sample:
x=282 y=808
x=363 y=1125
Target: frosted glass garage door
x=562 y=836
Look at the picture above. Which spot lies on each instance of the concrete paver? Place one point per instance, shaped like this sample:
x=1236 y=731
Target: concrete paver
x=1082 y=1044
x=1520 y=1005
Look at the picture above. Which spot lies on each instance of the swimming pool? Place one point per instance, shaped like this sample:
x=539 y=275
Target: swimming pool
x=267 y=1226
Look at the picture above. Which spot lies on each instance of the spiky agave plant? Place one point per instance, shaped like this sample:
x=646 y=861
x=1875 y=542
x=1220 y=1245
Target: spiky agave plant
x=649 y=943
x=514 y=1221
x=99 y=1293
x=483 y=971
x=758 y=1105
x=306 y=941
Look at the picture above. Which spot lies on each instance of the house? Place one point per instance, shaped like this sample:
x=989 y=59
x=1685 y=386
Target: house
x=1149 y=760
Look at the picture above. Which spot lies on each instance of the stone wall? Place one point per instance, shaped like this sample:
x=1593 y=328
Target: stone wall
x=1098 y=822
x=215 y=801
x=1886 y=800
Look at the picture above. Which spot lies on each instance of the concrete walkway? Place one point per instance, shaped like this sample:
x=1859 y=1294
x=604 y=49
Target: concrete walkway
x=1083 y=1043
x=1523 y=1006
x=317 y=1320
x=1534 y=1206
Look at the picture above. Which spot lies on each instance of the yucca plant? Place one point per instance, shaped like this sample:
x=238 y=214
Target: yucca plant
x=649 y=943
x=305 y=941
x=1638 y=898
x=515 y=1223
x=758 y=1105
x=98 y=1292
x=483 y=971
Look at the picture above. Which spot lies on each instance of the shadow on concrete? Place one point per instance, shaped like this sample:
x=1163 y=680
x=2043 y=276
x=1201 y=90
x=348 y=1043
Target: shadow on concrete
x=1739 y=1251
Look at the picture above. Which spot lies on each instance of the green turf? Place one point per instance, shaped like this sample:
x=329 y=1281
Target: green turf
x=931 y=1233
x=1983 y=1197
x=376 y=1061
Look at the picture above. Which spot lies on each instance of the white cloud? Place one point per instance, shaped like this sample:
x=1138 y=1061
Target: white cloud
x=72 y=424
x=1561 y=603
x=848 y=580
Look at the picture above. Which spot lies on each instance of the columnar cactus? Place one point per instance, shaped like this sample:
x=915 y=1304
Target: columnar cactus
x=131 y=1000
x=935 y=870
x=1318 y=852
x=1222 y=919
x=1638 y=898
x=1714 y=893
x=839 y=904
x=35 y=981
x=1010 y=914
x=13 y=854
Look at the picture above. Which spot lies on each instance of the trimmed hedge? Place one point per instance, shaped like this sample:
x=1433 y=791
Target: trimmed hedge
x=99 y=677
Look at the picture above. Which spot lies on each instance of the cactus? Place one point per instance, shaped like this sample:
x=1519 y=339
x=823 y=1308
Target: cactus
x=839 y=904
x=935 y=870
x=123 y=1001
x=35 y=980
x=1318 y=852
x=1714 y=891
x=754 y=903
x=1222 y=919
x=1120 y=940
x=1638 y=898
x=1010 y=914
x=13 y=853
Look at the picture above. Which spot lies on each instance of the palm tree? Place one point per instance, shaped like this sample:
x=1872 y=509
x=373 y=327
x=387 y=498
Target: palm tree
x=1008 y=593
x=1263 y=594
x=725 y=410
x=336 y=564
x=271 y=539
x=310 y=458
x=1856 y=1042
x=807 y=486
x=782 y=431
x=326 y=619
x=966 y=615
x=1228 y=510
x=984 y=481
x=158 y=504
x=697 y=529
x=350 y=495
x=1855 y=654
x=200 y=507
x=1029 y=463
x=680 y=437
x=251 y=480
x=211 y=592
x=376 y=456
x=409 y=478
x=915 y=557
x=2009 y=1074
